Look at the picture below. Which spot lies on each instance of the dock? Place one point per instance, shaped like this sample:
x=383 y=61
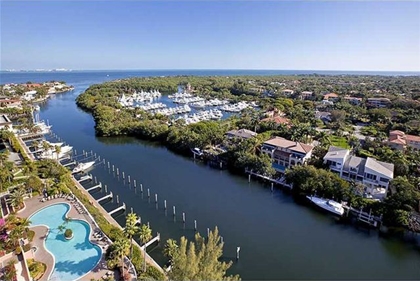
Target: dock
x=111 y=220
x=364 y=217
x=280 y=181
x=96 y=187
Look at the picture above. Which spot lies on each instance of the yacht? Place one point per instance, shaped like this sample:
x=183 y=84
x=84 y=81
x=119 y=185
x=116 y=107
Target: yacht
x=328 y=205
x=81 y=167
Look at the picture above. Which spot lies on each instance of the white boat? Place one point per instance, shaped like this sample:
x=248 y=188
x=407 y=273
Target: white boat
x=53 y=144
x=197 y=151
x=81 y=167
x=66 y=149
x=328 y=205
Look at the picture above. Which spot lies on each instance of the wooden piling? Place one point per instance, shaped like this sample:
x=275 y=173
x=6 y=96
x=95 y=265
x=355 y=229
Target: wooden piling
x=195 y=225
x=183 y=217
x=164 y=204
x=156 y=199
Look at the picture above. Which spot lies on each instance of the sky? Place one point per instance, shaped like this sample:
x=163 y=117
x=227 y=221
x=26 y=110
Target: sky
x=284 y=35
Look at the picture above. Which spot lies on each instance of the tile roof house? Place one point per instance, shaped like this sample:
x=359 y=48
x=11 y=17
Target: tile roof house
x=399 y=140
x=287 y=92
x=242 y=134
x=286 y=153
x=306 y=95
x=373 y=174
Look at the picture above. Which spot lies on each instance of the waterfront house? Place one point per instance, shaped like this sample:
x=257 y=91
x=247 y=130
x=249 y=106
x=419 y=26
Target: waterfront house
x=286 y=153
x=378 y=102
x=373 y=174
x=240 y=134
x=10 y=103
x=29 y=95
x=5 y=123
x=399 y=140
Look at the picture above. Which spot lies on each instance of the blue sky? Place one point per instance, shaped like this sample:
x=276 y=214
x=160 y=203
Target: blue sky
x=299 y=35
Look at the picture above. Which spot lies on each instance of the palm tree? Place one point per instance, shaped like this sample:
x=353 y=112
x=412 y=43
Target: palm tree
x=46 y=146
x=57 y=149
x=3 y=157
x=16 y=198
x=145 y=234
x=170 y=248
x=131 y=229
x=121 y=248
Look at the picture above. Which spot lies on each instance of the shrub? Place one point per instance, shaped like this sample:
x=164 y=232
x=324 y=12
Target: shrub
x=68 y=233
x=31 y=235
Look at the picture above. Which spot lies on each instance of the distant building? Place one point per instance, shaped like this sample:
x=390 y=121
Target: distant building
x=353 y=100
x=399 y=140
x=323 y=116
x=241 y=134
x=331 y=97
x=373 y=174
x=287 y=92
x=306 y=95
x=378 y=102
x=286 y=153
x=5 y=123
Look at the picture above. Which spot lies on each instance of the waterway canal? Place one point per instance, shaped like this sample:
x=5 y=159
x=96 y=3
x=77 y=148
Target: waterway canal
x=278 y=238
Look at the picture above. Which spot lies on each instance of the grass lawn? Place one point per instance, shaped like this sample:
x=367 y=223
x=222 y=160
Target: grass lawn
x=340 y=142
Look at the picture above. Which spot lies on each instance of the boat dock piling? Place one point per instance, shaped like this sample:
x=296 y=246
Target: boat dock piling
x=118 y=172
x=183 y=218
x=208 y=232
x=118 y=209
x=112 y=168
x=123 y=175
x=195 y=225
x=148 y=193
x=156 y=198
x=174 y=211
x=106 y=189
x=164 y=204
x=141 y=188
x=156 y=238
x=129 y=180
x=134 y=181
x=70 y=163
x=96 y=181
x=105 y=197
x=118 y=200
x=95 y=187
x=84 y=178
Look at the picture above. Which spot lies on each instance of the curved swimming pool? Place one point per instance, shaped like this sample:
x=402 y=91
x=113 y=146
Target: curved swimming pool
x=73 y=258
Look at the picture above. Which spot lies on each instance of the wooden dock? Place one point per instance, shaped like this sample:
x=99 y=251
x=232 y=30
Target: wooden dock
x=276 y=181
x=364 y=217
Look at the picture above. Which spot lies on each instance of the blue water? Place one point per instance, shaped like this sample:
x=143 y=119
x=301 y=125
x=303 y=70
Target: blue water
x=73 y=258
x=107 y=75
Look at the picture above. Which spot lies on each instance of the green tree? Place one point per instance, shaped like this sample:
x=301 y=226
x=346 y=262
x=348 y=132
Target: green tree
x=131 y=229
x=145 y=234
x=198 y=259
x=121 y=248
x=16 y=197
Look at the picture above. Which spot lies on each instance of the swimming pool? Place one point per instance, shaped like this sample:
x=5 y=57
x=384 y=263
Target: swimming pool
x=73 y=258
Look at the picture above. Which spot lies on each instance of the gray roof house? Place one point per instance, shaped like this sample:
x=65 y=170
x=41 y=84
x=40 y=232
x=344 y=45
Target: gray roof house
x=373 y=174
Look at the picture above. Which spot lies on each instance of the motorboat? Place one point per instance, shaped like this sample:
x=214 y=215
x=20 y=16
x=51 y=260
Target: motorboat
x=197 y=151
x=81 y=167
x=328 y=205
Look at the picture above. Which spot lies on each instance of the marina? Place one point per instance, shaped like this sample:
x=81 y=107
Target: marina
x=267 y=226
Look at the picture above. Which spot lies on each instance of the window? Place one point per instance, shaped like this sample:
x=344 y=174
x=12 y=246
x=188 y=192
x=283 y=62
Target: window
x=384 y=180
x=370 y=176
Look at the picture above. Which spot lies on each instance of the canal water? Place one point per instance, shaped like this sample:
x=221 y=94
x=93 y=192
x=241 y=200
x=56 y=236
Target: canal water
x=278 y=238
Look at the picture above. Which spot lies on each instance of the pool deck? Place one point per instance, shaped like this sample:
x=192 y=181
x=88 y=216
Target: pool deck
x=33 y=205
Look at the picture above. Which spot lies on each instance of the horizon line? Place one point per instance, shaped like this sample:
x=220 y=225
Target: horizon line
x=186 y=69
